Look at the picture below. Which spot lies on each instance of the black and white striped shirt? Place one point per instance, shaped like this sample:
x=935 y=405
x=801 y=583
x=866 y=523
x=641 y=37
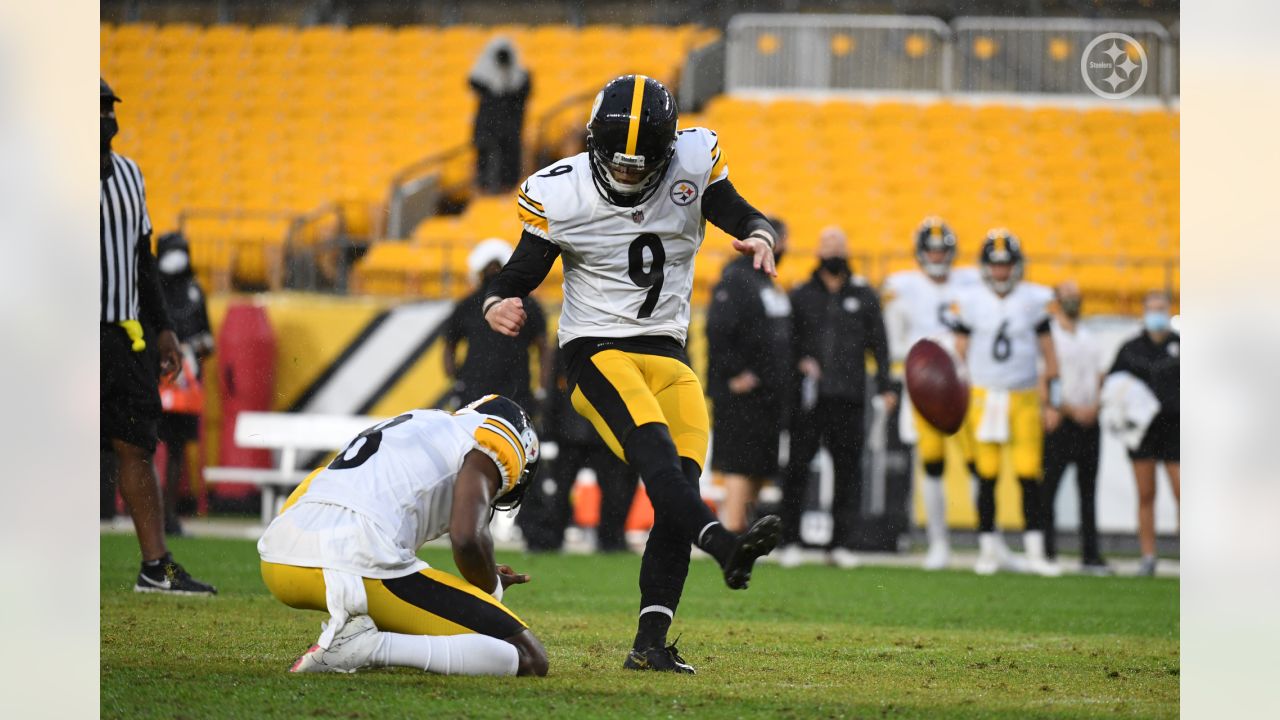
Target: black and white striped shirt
x=125 y=226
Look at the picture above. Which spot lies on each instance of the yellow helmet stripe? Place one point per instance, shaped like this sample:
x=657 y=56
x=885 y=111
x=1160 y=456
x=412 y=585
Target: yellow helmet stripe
x=633 y=128
x=510 y=436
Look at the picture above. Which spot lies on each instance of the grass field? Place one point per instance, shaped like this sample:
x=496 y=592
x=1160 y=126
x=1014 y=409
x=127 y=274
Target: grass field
x=802 y=643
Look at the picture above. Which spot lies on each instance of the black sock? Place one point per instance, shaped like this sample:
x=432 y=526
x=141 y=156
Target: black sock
x=1032 y=510
x=652 y=630
x=717 y=541
x=986 y=505
x=155 y=568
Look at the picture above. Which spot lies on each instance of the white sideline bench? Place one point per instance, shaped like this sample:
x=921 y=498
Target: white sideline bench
x=289 y=436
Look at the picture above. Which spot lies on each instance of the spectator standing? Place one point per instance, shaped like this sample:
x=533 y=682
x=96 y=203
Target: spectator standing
x=129 y=397
x=748 y=373
x=494 y=363
x=1153 y=358
x=836 y=321
x=1076 y=440
x=546 y=515
x=180 y=423
x=502 y=86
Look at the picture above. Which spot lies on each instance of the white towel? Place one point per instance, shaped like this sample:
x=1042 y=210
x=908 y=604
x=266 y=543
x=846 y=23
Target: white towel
x=907 y=421
x=345 y=597
x=1128 y=406
x=994 y=427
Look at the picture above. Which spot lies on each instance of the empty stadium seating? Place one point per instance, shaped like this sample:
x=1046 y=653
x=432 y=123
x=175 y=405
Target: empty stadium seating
x=1052 y=175
x=285 y=118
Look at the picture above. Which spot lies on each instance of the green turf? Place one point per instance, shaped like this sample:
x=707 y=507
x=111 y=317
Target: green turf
x=802 y=643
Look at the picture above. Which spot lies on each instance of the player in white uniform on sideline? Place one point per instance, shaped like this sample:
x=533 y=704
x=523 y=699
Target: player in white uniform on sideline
x=626 y=218
x=1003 y=331
x=347 y=542
x=919 y=304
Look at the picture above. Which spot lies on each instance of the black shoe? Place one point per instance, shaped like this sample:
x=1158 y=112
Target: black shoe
x=758 y=541
x=661 y=659
x=1095 y=566
x=170 y=578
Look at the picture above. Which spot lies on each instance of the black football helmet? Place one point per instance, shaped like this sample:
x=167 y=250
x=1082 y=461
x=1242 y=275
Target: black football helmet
x=631 y=137
x=933 y=234
x=507 y=412
x=1001 y=248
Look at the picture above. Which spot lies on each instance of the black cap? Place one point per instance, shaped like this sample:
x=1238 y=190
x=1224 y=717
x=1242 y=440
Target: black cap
x=106 y=92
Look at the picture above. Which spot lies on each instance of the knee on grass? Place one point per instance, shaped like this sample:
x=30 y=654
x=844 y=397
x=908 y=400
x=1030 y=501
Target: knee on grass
x=532 y=656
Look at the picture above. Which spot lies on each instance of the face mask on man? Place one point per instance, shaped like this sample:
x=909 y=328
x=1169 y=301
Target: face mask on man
x=836 y=265
x=1156 y=321
x=1070 y=307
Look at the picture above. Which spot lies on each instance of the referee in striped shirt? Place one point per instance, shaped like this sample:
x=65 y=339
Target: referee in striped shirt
x=129 y=400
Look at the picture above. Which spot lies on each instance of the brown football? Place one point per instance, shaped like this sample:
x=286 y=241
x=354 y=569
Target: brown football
x=937 y=386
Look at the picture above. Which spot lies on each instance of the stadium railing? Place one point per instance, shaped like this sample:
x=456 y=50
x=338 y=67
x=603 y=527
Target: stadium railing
x=1025 y=56
x=1043 y=55
x=836 y=52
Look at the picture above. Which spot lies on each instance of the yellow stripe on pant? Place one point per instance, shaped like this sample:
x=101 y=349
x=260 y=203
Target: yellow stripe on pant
x=303 y=588
x=619 y=391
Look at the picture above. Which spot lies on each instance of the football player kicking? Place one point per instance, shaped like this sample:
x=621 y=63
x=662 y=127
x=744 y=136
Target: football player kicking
x=347 y=542
x=918 y=304
x=1002 y=329
x=627 y=217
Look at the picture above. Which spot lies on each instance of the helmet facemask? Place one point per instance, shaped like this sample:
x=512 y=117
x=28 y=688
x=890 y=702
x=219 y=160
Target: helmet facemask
x=631 y=138
x=935 y=236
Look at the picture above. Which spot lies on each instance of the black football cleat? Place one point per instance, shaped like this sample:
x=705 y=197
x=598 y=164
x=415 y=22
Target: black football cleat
x=170 y=578
x=660 y=659
x=759 y=540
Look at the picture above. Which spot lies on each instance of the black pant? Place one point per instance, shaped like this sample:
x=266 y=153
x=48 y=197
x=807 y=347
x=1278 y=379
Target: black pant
x=544 y=527
x=837 y=424
x=1072 y=443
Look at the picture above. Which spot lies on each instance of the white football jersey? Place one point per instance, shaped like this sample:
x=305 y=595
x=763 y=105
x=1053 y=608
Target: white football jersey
x=388 y=493
x=1003 y=351
x=628 y=271
x=916 y=307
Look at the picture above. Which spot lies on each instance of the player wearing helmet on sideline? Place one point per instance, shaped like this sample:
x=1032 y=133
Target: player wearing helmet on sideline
x=1002 y=331
x=627 y=218
x=918 y=304
x=348 y=537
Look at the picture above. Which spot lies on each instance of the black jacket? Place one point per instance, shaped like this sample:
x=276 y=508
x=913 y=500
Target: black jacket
x=1156 y=364
x=838 y=330
x=748 y=328
x=494 y=363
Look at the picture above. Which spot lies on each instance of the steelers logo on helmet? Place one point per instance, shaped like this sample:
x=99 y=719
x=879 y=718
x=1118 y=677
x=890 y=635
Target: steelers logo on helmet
x=1001 y=248
x=933 y=237
x=631 y=137
x=512 y=417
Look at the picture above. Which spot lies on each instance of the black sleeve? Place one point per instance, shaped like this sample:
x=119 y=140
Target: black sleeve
x=453 y=324
x=151 y=305
x=878 y=342
x=536 y=325
x=1126 y=361
x=526 y=269
x=725 y=208
x=1044 y=327
x=724 y=352
x=802 y=330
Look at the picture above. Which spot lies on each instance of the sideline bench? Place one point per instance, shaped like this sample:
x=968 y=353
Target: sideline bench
x=291 y=437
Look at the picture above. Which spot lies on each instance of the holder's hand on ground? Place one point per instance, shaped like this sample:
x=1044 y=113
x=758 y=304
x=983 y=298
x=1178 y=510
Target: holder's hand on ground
x=507 y=316
x=510 y=577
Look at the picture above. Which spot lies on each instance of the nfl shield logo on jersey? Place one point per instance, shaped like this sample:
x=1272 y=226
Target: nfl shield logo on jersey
x=637 y=216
